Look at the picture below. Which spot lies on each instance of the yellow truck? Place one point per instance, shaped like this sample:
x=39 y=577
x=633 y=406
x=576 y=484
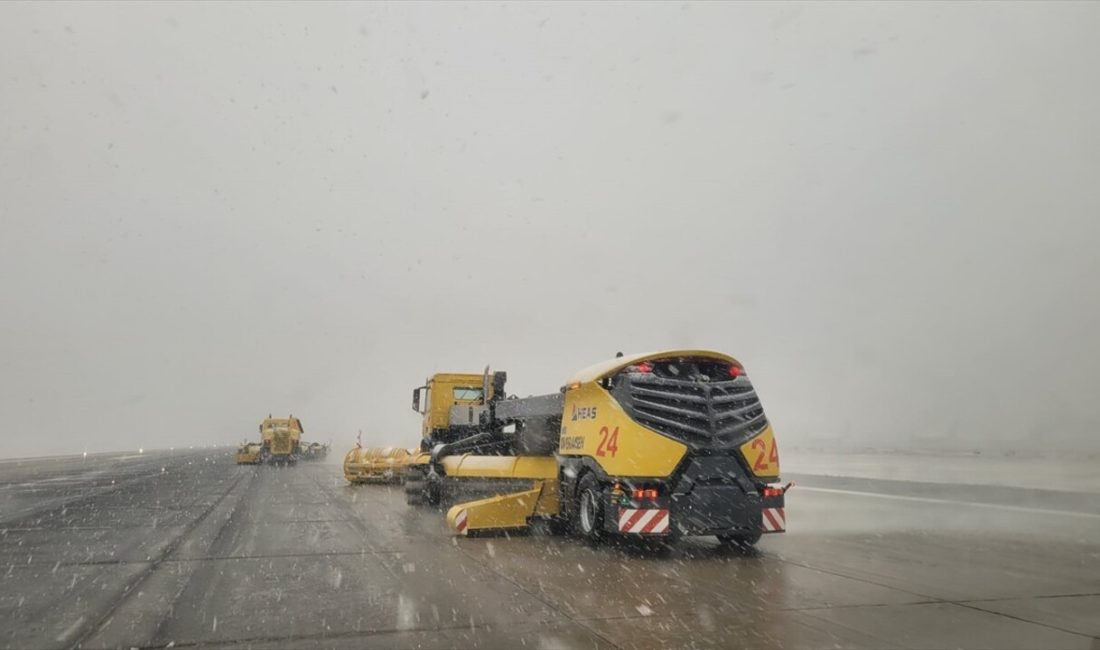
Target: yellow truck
x=280 y=440
x=662 y=445
x=376 y=464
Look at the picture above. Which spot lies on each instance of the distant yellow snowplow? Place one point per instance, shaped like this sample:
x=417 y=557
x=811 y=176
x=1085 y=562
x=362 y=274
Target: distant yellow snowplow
x=376 y=464
x=280 y=443
x=248 y=453
x=314 y=450
x=281 y=439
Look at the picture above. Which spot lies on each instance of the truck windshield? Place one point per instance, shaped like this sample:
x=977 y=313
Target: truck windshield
x=463 y=393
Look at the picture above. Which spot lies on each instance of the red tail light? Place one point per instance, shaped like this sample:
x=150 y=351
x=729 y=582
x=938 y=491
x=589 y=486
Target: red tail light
x=644 y=366
x=736 y=371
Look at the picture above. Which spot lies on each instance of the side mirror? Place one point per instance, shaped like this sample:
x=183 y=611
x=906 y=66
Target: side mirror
x=416 y=399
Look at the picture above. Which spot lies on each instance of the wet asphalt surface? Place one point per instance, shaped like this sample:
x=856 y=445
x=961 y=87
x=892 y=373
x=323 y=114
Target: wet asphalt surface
x=185 y=549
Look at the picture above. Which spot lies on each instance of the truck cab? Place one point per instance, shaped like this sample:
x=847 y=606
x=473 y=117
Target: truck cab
x=452 y=404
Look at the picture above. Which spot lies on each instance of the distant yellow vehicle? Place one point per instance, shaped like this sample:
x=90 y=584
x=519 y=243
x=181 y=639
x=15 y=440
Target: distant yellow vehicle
x=376 y=464
x=314 y=450
x=280 y=439
x=280 y=442
x=248 y=453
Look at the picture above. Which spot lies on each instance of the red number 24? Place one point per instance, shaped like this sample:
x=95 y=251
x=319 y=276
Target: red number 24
x=766 y=457
x=609 y=442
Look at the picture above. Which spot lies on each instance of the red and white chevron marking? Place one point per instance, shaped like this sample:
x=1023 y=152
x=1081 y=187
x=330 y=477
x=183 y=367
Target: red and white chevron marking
x=773 y=520
x=460 y=522
x=652 y=521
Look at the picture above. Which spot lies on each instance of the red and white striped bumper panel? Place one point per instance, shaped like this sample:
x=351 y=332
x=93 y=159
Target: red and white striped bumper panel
x=649 y=521
x=773 y=520
x=460 y=522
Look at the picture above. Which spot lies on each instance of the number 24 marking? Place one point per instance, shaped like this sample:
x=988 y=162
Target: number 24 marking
x=609 y=442
x=761 y=464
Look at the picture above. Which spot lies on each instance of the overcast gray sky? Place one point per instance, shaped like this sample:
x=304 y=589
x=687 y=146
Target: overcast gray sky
x=210 y=212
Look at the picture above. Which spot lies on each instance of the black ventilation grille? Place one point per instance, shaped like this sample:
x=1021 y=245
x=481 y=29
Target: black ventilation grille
x=700 y=411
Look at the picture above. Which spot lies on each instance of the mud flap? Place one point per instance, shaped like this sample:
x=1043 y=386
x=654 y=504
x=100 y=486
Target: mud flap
x=773 y=514
x=644 y=521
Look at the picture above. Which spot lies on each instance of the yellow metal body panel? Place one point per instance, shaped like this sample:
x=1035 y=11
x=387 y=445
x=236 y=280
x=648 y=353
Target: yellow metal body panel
x=282 y=443
x=611 y=366
x=470 y=466
x=594 y=425
x=762 y=455
x=441 y=398
x=506 y=511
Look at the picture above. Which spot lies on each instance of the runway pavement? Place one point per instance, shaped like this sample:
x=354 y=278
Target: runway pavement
x=184 y=549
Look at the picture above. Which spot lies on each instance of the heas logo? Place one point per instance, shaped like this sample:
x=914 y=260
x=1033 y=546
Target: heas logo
x=583 y=413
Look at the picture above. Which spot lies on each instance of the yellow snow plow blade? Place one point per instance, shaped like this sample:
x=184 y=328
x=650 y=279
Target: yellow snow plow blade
x=507 y=511
x=376 y=464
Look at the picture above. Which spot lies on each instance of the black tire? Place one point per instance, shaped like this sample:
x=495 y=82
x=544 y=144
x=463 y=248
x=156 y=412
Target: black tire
x=414 y=490
x=589 y=510
x=744 y=540
x=433 y=491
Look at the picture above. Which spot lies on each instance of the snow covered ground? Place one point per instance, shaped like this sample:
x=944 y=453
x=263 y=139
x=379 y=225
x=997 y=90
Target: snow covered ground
x=1068 y=473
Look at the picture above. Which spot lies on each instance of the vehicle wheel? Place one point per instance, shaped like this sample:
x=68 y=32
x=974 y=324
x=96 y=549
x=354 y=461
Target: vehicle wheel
x=433 y=491
x=589 y=512
x=740 y=540
x=414 y=489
